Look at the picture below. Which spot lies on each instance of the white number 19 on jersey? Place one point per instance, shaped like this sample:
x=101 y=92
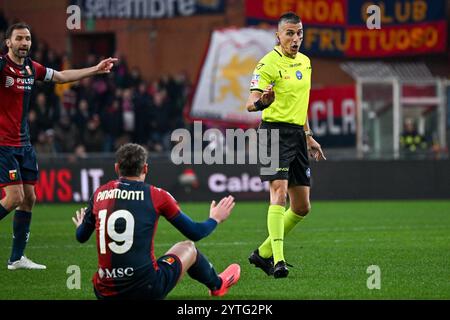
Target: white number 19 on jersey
x=126 y=237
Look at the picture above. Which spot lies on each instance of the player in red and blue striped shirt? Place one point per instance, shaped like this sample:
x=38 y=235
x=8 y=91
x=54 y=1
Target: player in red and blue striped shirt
x=18 y=165
x=124 y=214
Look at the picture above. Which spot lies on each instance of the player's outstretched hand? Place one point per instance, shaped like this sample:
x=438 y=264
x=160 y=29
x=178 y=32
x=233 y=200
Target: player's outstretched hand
x=221 y=211
x=79 y=216
x=106 y=65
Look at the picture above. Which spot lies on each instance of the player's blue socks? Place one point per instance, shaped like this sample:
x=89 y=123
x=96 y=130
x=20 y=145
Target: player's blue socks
x=203 y=271
x=3 y=212
x=21 y=229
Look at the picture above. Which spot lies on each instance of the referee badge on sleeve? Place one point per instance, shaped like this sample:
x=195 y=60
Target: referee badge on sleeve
x=255 y=81
x=308 y=173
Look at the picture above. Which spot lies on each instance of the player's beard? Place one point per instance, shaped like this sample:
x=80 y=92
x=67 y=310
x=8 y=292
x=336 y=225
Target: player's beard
x=21 y=53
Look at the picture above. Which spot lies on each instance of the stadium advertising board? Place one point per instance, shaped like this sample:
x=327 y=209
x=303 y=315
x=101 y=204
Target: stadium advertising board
x=69 y=183
x=61 y=181
x=339 y=27
x=147 y=9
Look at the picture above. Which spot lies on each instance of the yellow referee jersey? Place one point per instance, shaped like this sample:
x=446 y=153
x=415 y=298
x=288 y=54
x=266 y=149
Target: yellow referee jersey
x=291 y=80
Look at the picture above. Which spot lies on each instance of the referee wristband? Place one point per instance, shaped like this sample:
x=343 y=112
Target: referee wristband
x=259 y=105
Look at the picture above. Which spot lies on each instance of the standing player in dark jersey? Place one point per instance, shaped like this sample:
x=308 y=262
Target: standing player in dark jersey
x=18 y=165
x=124 y=214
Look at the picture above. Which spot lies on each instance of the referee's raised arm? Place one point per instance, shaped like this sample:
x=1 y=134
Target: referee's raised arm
x=258 y=101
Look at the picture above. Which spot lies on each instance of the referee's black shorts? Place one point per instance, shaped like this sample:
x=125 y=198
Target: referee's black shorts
x=293 y=153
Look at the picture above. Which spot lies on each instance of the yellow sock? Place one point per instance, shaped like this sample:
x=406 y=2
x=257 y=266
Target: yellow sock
x=275 y=225
x=290 y=221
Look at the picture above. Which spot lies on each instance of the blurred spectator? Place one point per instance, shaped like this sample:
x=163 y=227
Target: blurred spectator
x=135 y=78
x=53 y=61
x=143 y=104
x=412 y=142
x=101 y=93
x=179 y=96
x=45 y=143
x=128 y=111
x=81 y=116
x=80 y=152
x=69 y=100
x=159 y=138
x=67 y=135
x=84 y=90
x=46 y=115
x=112 y=122
x=93 y=137
x=121 y=72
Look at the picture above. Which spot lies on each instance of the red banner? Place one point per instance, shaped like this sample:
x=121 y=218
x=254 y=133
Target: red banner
x=332 y=115
x=395 y=40
x=324 y=12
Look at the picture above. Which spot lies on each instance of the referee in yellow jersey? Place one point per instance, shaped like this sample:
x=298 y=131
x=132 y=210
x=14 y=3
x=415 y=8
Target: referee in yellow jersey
x=280 y=88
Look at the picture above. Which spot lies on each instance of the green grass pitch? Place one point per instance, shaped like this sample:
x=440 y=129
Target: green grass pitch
x=331 y=251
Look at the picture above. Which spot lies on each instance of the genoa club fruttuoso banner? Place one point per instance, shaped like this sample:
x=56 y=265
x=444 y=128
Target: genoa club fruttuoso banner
x=338 y=27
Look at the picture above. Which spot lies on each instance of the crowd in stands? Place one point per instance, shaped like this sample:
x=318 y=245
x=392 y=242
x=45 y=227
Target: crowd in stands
x=100 y=113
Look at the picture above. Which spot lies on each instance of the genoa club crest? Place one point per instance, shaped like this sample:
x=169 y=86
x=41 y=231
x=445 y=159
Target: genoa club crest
x=169 y=260
x=13 y=175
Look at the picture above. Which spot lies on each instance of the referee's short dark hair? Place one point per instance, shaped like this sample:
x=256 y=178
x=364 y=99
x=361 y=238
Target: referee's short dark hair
x=131 y=158
x=16 y=26
x=289 y=17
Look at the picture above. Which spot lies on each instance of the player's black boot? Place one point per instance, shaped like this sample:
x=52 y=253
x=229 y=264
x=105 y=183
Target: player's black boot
x=265 y=264
x=280 y=270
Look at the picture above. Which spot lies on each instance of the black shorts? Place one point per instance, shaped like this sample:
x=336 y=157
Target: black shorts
x=18 y=165
x=293 y=162
x=153 y=288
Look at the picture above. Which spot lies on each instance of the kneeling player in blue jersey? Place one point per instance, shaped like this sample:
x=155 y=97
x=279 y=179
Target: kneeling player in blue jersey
x=124 y=214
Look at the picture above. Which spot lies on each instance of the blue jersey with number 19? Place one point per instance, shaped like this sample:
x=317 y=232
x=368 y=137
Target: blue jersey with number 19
x=125 y=216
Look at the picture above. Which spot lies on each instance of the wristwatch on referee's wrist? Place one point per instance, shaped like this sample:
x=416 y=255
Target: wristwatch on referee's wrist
x=309 y=133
